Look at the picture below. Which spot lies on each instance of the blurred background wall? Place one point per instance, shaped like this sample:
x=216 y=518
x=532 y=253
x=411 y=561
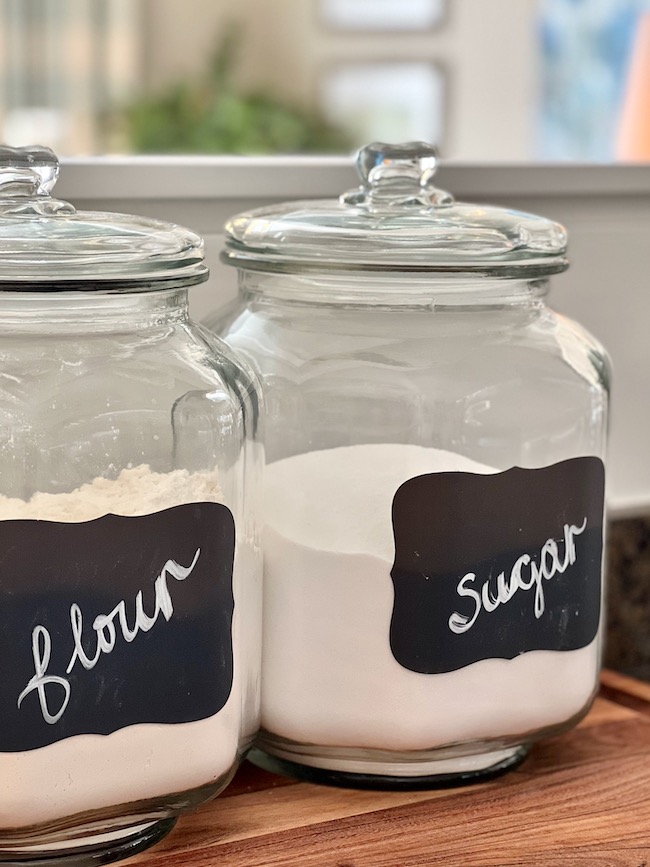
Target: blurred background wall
x=505 y=80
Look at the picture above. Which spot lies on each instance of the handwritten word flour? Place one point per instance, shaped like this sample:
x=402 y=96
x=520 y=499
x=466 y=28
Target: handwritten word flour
x=90 y=771
x=106 y=635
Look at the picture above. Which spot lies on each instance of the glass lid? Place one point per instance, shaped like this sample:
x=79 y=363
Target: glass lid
x=396 y=220
x=44 y=241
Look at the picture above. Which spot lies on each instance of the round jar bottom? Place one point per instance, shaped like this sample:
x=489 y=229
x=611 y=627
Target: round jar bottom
x=92 y=850
x=104 y=836
x=377 y=769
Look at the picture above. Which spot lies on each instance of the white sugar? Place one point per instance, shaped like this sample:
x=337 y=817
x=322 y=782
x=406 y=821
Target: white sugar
x=340 y=499
x=329 y=676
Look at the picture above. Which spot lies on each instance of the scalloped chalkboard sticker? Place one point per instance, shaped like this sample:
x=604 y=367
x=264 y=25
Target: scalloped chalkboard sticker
x=492 y=566
x=113 y=622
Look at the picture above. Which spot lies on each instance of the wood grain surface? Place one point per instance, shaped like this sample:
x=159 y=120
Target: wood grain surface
x=579 y=800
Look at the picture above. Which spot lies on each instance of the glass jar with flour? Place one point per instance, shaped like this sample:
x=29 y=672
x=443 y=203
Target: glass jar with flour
x=131 y=566
x=434 y=494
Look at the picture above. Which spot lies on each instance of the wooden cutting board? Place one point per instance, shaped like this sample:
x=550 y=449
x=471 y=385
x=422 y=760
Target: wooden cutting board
x=579 y=800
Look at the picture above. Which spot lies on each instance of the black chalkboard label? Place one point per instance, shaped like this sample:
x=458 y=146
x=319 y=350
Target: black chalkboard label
x=491 y=566
x=112 y=622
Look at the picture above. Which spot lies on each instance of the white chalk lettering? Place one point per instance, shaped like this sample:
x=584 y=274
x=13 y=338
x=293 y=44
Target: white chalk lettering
x=40 y=679
x=489 y=597
x=107 y=629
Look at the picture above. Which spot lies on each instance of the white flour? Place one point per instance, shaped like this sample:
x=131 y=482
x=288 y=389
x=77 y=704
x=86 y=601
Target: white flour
x=329 y=677
x=88 y=772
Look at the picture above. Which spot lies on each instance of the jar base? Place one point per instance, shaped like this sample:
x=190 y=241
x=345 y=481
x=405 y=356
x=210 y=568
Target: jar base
x=372 y=769
x=91 y=851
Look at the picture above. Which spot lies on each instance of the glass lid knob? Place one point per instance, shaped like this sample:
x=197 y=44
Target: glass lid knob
x=27 y=177
x=397 y=175
x=28 y=171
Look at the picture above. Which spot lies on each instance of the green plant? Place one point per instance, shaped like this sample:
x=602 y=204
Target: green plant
x=211 y=116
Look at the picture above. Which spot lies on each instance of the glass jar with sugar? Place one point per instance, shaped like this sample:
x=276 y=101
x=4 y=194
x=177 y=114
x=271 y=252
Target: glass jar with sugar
x=434 y=495
x=130 y=584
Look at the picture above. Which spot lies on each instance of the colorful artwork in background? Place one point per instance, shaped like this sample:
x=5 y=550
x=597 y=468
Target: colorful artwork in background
x=587 y=46
x=633 y=142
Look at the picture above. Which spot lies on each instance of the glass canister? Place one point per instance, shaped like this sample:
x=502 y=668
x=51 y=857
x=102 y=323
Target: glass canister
x=130 y=560
x=434 y=495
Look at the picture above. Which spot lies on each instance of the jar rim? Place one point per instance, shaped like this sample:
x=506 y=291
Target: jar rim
x=110 y=285
x=512 y=269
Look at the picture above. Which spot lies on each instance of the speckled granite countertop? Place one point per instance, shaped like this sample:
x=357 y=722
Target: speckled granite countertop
x=628 y=597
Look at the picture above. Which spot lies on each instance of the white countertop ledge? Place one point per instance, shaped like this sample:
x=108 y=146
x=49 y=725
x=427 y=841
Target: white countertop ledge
x=201 y=177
